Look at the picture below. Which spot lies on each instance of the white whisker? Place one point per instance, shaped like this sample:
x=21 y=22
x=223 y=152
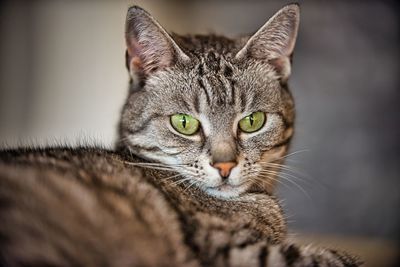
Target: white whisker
x=293 y=153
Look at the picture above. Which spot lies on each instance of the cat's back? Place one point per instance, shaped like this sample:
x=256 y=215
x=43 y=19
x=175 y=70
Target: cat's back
x=90 y=207
x=82 y=207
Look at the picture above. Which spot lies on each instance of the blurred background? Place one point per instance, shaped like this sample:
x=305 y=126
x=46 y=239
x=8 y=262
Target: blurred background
x=63 y=81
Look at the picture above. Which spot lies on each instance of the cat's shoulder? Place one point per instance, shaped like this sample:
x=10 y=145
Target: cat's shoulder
x=89 y=164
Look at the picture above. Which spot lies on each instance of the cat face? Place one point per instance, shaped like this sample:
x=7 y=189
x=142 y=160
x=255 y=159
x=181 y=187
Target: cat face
x=214 y=109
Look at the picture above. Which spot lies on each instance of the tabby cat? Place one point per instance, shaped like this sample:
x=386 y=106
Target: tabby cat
x=203 y=134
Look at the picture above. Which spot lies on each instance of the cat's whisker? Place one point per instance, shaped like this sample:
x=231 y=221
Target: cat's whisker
x=284 y=173
x=291 y=154
x=298 y=174
x=278 y=173
x=191 y=184
x=185 y=149
x=171 y=177
x=160 y=166
x=180 y=181
x=258 y=176
x=255 y=180
x=281 y=166
x=262 y=182
x=297 y=185
x=142 y=163
x=287 y=177
x=248 y=178
x=287 y=170
x=153 y=164
x=259 y=183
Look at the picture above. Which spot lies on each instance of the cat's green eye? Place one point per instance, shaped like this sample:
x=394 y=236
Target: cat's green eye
x=252 y=122
x=185 y=124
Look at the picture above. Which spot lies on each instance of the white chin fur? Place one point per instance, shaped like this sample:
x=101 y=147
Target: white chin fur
x=225 y=194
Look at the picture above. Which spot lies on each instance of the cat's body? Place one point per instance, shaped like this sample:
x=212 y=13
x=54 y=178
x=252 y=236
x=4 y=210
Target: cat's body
x=91 y=207
x=203 y=133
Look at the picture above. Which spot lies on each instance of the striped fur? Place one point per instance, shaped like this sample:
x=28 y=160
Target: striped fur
x=217 y=80
x=91 y=207
x=151 y=202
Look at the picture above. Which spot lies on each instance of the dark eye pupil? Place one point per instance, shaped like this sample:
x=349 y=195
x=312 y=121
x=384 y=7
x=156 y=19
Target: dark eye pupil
x=184 y=121
x=251 y=119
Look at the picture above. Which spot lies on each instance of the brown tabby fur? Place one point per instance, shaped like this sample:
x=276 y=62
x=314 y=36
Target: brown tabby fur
x=108 y=206
x=90 y=207
x=95 y=207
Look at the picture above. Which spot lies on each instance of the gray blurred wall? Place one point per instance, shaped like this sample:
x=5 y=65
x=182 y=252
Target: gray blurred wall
x=63 y=80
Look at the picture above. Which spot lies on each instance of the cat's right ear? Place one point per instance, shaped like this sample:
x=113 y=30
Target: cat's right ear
x=149 y=46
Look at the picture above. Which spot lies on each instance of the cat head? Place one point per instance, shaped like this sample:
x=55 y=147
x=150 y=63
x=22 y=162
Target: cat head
x=216 y=110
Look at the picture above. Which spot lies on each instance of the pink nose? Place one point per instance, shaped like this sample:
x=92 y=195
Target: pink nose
x=224 y=168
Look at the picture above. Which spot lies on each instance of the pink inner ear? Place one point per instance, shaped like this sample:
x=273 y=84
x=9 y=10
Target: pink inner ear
x=135 y=64
x=133 y=49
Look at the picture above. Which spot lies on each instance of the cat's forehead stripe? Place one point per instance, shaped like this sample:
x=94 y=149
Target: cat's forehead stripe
x=206 y=91
x=215 y=79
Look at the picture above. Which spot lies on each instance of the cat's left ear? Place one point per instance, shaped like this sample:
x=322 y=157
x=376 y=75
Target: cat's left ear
x=275 y=40
x=149 y=46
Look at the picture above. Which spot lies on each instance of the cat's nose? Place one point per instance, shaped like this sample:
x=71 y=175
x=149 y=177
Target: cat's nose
x=224 y=168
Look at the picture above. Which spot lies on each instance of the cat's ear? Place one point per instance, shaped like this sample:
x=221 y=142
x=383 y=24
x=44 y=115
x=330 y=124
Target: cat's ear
x=149 y=46
x=274 y=41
